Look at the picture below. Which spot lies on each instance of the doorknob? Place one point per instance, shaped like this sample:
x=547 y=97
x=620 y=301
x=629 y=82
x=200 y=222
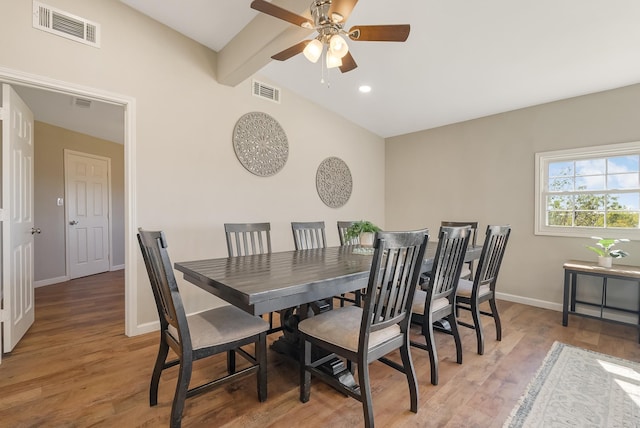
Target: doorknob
x=73 y=222
x=35 y=230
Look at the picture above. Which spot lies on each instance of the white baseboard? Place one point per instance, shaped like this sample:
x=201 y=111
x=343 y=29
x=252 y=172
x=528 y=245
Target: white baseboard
x=50 y=281
x=529 y=301
x=583 y=309
x=117 y=267
x=147 y=328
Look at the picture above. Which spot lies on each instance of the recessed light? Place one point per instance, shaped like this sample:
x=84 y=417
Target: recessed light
x=365 y=89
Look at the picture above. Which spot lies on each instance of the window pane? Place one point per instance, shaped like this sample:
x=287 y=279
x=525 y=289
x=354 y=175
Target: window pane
x=559 y=218
x=594 y=182
x=589 y=219
x=561 y=184
x=590 y=167
x=619 y=164
x=623 y=201
x=559 y=203
x=561 y=169
x=623 y=181
x=590 y=202
x=622 y=219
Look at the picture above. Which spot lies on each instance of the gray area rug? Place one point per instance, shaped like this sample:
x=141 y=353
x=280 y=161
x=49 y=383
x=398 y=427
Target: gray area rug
x=576 y=387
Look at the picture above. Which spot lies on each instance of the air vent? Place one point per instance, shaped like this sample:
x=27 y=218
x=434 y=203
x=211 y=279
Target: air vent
x=81 y=102
x=61 y=23
x=265 y=91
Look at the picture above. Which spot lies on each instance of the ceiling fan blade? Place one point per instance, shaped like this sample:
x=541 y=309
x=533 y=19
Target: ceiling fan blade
x=380 y=33
x=348 y=63
x=292 y=51
x=280 y=13
x=343 y=7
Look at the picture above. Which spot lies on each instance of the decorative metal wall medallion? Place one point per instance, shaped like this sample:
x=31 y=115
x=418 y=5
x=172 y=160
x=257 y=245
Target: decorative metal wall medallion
x=260 y=144
x=333 y=182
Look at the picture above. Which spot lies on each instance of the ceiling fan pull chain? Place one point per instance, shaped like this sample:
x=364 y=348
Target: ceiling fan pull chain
x=322 y=67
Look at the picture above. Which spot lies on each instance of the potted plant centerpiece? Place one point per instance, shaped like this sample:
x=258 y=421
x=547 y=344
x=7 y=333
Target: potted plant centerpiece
x=604 y=250
x=364 y=230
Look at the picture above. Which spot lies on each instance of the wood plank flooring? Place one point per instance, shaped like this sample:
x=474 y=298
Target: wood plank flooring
x=76 y=368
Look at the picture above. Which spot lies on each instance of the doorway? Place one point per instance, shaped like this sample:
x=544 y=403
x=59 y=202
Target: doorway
x=17 y=78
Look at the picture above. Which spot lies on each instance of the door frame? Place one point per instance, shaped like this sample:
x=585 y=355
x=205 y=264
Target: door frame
x=68 y=152
x=15 y=77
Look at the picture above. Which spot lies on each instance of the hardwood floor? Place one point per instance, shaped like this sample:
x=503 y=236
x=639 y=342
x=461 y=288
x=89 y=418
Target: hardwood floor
x=76 y=368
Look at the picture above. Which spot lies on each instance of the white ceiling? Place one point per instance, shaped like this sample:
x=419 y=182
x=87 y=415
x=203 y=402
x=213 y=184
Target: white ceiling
x=464 y=59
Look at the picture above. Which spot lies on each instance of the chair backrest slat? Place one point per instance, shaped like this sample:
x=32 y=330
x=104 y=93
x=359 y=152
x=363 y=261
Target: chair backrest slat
x=246 y=239
x=452 y=247
x=493 y=250
x=308 y=235
x=393 y=278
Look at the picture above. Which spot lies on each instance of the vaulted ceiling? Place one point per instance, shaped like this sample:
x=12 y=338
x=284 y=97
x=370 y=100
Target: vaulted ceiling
x=463 y=59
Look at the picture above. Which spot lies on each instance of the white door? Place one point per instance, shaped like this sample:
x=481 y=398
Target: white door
x=17 y=218
x=87 y=192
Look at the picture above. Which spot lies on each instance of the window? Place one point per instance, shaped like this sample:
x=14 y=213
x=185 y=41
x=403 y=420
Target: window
x=589 y=191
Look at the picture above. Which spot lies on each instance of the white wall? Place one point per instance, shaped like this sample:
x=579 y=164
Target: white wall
x=483 y=170
x=188 y=179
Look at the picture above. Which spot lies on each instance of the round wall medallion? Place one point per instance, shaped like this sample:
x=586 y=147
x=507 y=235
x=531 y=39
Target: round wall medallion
x=333 y=181
x=260 y=144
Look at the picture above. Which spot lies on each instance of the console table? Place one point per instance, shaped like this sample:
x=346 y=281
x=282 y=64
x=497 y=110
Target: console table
x=573 y=268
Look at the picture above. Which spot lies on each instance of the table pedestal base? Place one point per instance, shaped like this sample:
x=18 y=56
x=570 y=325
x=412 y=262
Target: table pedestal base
x=289 y=343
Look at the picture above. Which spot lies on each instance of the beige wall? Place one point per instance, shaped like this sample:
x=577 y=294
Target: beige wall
x=49 y=246
x=483 y=170
x=188 y=181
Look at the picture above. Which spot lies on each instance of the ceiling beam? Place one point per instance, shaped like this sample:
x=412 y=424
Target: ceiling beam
x=251 y=48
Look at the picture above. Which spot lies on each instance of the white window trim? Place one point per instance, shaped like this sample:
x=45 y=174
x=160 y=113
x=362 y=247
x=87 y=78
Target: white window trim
x=544 y=158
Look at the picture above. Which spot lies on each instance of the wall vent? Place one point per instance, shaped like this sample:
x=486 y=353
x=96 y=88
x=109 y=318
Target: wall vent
x=64 y=24
x=81 y=102
x=265 y=91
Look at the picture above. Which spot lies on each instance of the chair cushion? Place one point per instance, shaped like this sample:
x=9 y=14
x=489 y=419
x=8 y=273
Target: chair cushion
x=465 y=272
x=465 y=287
x=221 y=325
x=419 y=299
x=341 y=327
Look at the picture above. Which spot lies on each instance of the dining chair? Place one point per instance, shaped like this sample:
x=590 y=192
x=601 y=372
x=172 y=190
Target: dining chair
x=467 y=271
x=308 y=235
x=438 y=298
x=193 y=337
x=471 y=294
x=247 y=239
x=342 y=230
x=368 y=333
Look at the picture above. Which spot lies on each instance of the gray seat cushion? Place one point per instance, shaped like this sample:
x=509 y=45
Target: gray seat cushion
x=342 y=327
x=419 y=300
x=221 y=325
x=465 y=287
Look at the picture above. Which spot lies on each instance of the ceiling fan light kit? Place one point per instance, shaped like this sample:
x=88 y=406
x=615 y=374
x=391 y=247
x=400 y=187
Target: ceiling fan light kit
x=328 y=20
x=313 y=50
x=333 y=61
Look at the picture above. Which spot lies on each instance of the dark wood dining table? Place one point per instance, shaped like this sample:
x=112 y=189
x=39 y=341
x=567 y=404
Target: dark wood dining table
x=264 y=283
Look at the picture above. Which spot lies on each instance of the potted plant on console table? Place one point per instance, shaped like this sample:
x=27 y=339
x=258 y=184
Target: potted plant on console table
x=364 y=230
x=604 y=250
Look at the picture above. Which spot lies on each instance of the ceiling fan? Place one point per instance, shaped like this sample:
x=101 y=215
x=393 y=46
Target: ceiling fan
x=329 y=17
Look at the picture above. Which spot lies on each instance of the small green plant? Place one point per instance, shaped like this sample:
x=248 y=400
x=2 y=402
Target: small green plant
x=604 y=247
x=359 y=227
